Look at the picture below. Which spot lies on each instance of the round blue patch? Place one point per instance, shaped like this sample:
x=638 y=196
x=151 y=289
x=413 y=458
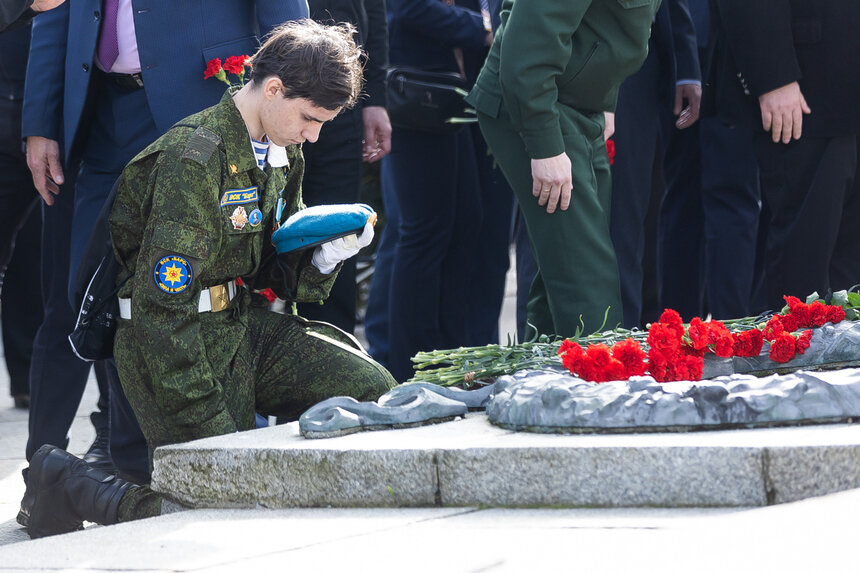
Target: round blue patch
x=255 y=218
x=172 y=274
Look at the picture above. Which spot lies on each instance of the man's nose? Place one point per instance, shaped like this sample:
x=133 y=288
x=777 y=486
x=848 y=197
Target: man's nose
x=312 y=132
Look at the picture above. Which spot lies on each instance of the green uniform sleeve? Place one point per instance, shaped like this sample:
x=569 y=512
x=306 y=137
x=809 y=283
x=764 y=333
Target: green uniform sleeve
x=165 y=295
x=535 y=50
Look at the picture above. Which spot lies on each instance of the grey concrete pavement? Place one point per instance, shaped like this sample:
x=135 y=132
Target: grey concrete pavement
x=812 y=535
x=13 y=441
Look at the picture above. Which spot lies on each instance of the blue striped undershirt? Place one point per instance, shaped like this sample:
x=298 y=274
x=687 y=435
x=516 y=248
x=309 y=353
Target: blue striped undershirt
x=261 y=148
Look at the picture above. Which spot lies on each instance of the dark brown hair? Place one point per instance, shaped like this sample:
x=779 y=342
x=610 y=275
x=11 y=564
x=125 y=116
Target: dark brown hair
x=315 y=62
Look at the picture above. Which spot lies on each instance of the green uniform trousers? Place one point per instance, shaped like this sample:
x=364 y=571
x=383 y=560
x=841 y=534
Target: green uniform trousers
x=284 y=365
x=577 y=279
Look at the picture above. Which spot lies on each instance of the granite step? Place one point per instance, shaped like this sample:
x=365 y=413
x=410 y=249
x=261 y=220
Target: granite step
x=469 y=462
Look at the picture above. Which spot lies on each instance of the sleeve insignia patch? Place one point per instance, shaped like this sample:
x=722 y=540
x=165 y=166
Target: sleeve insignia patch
x=172 y=274
x=239 y=196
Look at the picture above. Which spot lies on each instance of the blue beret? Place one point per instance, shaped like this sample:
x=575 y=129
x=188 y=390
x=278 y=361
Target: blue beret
x=319 y=224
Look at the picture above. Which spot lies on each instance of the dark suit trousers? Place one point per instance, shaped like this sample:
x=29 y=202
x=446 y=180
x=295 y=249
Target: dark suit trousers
x=333 y=176
x=438 y=193
x=487 y=282
x=641 y=120
x=122 y=126
x=810 y=189
x=57 y=376
x=19 y=251
x=376 y=317
x=711 y=203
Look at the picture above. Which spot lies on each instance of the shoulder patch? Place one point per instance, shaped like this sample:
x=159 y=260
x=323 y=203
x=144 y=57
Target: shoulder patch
x=173 y=274
x=201 y=145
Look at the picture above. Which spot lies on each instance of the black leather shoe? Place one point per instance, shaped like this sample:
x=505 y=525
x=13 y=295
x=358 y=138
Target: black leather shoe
x=23 y=518
x=98 y=456
x=63 y=491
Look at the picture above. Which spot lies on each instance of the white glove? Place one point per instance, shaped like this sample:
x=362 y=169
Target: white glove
x=328 y=255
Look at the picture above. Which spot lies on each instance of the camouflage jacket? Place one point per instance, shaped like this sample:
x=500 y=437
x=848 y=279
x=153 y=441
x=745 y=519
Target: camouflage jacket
x=193 y=210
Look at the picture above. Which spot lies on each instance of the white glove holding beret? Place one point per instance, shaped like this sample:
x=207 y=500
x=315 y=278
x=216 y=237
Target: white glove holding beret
x=328 y=255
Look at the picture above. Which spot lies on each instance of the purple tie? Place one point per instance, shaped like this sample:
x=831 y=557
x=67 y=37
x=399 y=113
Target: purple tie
x=108 y=44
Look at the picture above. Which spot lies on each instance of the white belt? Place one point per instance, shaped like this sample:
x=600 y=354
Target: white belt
x=212 y=299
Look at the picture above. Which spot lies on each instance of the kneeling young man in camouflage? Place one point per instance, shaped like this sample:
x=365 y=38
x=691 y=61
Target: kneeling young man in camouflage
x=197 y=354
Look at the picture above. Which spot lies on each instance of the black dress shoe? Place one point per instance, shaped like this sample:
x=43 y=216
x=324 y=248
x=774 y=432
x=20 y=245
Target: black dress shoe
x=98 y=456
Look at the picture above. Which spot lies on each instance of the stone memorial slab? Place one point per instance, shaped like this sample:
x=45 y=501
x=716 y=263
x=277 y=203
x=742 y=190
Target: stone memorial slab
x=471 y=462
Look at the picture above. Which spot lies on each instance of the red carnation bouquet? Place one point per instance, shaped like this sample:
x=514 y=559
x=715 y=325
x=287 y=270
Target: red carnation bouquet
x=234 y=65
x=676 y=351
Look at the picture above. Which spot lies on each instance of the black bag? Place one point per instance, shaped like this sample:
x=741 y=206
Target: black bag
x=425 y=100
x=95 y=292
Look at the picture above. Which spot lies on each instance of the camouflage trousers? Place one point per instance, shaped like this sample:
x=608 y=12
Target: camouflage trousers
x=284 y=365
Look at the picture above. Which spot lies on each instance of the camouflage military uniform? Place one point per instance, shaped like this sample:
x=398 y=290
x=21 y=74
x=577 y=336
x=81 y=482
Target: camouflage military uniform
x=177 y=227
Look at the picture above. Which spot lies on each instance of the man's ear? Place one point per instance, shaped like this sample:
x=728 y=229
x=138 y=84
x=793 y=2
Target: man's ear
x=273 y=87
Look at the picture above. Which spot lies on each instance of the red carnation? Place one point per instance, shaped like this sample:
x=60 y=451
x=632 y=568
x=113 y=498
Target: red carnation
x=802 y=342
x=789 y=322
x=663 y=339
x=235 y=65
x=773 y=328
x=672 y=319
x=698 y=332
x=213 y=68
x=603 y=367
x=835 y=314
x=720 y=339
x=748 y=343
x=610 y=151
x=783 y=348
x=631 y=355
x=818 y=313
x=571 y=355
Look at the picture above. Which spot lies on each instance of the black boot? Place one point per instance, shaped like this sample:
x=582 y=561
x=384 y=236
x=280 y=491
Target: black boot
x=98 y=456
x=63 y=492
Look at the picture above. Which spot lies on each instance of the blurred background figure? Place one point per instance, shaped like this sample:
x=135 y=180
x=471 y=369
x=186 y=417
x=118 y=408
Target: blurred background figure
x=435 y=180
x=21 y=307
x=333 y=164
x=655 y=103
x=709 y=219
x=784 y=69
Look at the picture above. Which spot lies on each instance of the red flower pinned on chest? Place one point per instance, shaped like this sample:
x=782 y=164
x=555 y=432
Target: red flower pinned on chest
x=234 y=65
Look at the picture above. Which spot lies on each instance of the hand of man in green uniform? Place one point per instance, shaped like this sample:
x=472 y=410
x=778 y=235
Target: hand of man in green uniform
x=552 y=182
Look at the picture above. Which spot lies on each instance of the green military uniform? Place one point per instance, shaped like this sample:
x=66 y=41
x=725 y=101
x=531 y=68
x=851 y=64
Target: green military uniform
x=193 y=210
x=554 y=68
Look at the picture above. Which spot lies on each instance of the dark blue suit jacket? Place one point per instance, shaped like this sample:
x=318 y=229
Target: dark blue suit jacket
x=674 y=38
x=423 y=34
x=174 y=39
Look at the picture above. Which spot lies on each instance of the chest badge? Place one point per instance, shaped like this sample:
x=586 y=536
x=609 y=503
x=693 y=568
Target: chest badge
x=233 y=169
x=255 y=218
x=172 y=274
x=239 y=218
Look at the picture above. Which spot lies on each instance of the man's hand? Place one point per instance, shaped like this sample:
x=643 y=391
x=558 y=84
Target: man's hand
x=377 y=133
x=42 y=5
x=43 y=159
x=688 y=115
x=782 y=112
x=608 y=125
x=552 y=182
